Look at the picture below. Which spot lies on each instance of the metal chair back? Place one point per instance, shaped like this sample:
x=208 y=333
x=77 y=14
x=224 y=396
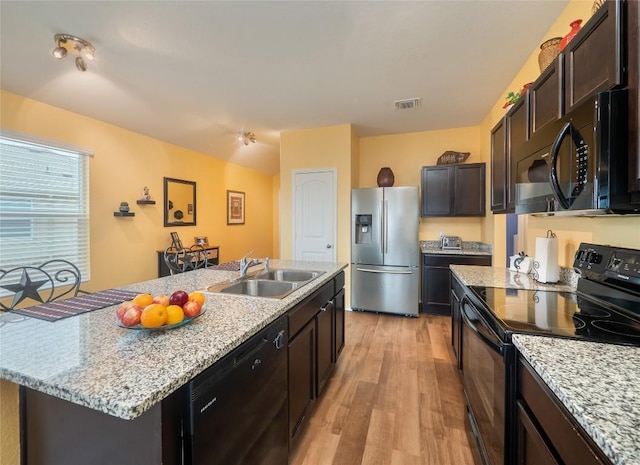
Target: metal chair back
x=180 y=260
x=53 y=280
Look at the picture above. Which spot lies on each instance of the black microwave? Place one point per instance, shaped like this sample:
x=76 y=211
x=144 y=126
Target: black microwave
x=578 y=165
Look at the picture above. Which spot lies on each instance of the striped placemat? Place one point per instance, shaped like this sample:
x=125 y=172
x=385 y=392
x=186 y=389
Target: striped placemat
x=53 y=311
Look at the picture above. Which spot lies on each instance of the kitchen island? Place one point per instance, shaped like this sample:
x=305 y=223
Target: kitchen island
x=91 y=362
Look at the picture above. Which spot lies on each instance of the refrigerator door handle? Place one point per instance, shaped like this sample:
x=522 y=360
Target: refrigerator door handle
x=386 y=226
x=369 y=270
x=382 y=226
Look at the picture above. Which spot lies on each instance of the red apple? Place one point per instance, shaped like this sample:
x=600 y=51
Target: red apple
x=178 y=298
x=162 y=300
x=123 y=308
x=131 y=315
x=191 y=309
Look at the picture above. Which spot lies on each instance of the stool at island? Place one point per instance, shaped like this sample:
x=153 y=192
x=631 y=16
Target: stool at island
x=173 y=260
x=52 y=280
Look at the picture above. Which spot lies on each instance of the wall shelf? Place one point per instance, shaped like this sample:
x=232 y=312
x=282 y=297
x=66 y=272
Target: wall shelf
x=124 y=214
x=146 y=202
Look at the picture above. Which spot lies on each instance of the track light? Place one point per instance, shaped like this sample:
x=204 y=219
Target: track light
x=83 y=50
x=246 y=136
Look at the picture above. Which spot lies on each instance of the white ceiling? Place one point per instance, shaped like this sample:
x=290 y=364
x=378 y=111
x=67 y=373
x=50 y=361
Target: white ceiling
x=194 y=73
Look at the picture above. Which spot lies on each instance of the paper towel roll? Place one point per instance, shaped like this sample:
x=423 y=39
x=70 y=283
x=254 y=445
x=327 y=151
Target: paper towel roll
x=547 y=259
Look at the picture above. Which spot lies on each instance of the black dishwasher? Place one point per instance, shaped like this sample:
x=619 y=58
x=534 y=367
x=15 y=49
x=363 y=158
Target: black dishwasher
x=237 y=408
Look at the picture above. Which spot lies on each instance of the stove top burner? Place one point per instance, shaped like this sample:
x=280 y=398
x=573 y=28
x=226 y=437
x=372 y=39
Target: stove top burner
x=562 y=314
x=631 y=329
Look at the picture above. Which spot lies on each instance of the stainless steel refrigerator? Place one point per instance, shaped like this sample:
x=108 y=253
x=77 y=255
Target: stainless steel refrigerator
x=385 y=253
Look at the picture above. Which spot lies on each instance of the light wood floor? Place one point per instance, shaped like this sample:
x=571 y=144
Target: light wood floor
x=394 y=398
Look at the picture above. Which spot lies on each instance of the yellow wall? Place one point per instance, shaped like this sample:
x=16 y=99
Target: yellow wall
x=618 y=231
x=405 y=154
x=123 y=250
x=328 y=147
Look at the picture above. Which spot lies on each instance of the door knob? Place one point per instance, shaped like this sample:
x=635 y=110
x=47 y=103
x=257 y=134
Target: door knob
x=328 y=246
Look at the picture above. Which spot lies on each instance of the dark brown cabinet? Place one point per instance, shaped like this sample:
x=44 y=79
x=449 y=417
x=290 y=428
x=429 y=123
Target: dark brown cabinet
x=302 y=376
x=339 y=335
x=59 y=432
x=597 y=59
x=324 y=344
x=531 y=449
x=517 y=120
x=457 y=292
x=316 y=328
x=545 y=98
x=593 y=60
x=499 y=167
x=633 y=28
x=436 y=279
x=453 y=190
x=437 y=191
x=546 y=432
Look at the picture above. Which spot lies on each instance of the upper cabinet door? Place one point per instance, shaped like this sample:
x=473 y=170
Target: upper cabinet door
x=499 y=167
x=546 y=101
x=469 y=198
x=593 y=60
x=437 y=190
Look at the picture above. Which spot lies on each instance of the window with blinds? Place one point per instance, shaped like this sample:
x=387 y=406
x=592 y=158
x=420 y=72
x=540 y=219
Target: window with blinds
x=44 y=203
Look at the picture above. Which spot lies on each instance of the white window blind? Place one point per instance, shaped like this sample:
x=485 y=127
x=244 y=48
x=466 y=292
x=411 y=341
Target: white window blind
x=44 y=203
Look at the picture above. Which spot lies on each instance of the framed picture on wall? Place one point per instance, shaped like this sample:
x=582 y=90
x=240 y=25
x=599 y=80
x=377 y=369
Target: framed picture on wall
x=235 y=207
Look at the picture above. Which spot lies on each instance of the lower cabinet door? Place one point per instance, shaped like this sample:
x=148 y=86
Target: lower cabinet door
x=324 y=343
x=339 y=325
x=436 y=285
x=532 y=449
x=302 y=379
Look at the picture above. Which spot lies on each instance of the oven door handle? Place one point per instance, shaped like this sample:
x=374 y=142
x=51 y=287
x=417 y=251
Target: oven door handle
x=490 y=339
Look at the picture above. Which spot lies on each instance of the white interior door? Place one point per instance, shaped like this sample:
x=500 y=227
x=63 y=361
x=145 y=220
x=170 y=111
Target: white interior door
x=314 y=218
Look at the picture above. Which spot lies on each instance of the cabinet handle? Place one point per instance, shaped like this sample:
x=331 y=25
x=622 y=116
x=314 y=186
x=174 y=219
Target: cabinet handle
x=279 y=340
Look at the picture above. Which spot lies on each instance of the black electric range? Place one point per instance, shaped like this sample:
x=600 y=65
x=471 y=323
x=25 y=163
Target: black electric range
x=605 y=307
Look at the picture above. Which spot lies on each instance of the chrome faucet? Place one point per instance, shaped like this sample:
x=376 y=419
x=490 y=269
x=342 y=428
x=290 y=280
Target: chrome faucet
x=244 y=264
x=266 y=265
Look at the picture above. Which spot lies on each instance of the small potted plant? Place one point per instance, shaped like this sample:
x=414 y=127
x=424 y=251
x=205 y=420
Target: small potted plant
x=512 y=98
x=124 y=207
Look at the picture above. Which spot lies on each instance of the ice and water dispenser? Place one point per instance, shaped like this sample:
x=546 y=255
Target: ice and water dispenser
x=363 y=229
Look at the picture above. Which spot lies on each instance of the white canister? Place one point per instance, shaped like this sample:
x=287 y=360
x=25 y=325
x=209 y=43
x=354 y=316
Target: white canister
x=547 y=269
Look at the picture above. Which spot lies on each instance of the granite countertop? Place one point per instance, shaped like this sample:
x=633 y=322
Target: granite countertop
x=597 y=383
x=89 y=360
x=468 y=248
x=490 y=276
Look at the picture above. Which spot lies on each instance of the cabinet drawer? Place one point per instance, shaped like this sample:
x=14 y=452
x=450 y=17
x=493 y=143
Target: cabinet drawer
x=307 y=309
x=558 y=425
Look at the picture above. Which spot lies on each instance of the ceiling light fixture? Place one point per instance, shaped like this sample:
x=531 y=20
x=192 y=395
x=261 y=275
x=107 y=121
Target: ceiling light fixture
x=83 y=50
x=246 y=136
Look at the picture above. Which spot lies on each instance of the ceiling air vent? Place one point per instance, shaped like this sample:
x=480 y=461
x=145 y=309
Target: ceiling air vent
x=407 y=103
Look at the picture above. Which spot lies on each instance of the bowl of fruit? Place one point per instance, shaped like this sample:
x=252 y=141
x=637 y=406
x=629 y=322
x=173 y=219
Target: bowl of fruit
x=147 y=312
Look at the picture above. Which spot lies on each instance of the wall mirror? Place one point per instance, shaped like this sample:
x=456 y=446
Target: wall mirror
x=179 y=202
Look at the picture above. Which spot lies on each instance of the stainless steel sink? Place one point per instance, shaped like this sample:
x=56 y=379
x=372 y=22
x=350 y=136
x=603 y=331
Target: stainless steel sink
x=288 y=275
x=274 y=284
x=257 y=288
